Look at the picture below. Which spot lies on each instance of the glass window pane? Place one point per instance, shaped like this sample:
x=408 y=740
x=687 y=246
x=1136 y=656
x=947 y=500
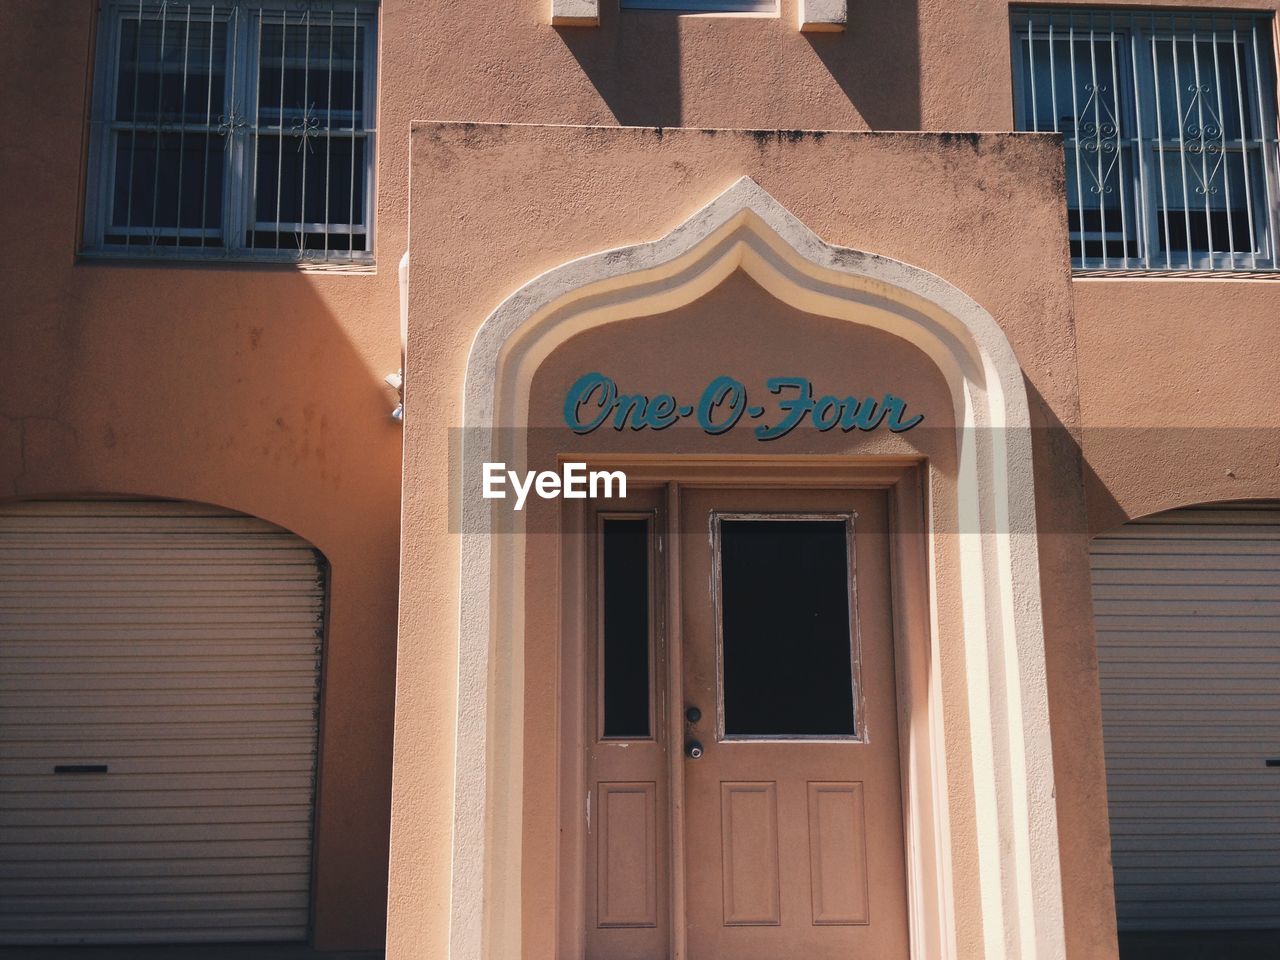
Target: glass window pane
x=1200 y=97
x=304 y=183
x=1208 y=222
x=168 y=183
x=312 y=74
x=786 y=628
x=624 y=601
x=172 y=70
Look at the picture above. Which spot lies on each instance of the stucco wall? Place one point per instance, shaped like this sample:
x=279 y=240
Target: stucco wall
x=1179 y=382
x=261 y=388
x=494 y=206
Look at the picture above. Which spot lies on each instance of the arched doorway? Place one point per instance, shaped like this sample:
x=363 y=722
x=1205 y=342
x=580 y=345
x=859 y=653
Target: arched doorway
x=999 y=606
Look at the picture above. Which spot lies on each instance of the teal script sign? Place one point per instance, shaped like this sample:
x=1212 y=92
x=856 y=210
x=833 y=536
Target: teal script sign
x=594 y=401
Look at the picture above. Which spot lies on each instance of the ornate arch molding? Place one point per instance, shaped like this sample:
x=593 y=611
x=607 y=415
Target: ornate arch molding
x=1011 y=757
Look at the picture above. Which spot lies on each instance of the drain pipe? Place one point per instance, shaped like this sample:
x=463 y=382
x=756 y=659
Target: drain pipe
x=396 y=380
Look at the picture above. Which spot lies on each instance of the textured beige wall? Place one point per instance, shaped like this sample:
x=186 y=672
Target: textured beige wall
x=1179 y=383
x=494 y=206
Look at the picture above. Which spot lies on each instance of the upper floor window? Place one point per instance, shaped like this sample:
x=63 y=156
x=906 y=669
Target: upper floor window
x=233 y=129
x=1169 y=123
x=704 y=6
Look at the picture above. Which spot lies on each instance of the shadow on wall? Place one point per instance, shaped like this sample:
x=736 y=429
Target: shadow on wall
x=876 y=62
x=634 y=61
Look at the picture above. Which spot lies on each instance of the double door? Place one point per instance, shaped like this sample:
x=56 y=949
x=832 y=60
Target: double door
x=741 y=770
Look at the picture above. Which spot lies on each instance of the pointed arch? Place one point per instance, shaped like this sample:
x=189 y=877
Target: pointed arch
x=745 y=228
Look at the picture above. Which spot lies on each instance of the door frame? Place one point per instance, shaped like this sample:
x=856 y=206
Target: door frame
x=926 y=840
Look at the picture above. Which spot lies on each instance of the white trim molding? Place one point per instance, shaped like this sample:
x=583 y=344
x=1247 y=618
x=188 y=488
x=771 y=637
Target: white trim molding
x=823 y=16
x=575 y=13
x=744 y=228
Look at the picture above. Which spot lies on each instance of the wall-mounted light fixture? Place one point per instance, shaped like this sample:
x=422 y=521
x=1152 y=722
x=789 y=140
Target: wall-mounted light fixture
x=396 y=380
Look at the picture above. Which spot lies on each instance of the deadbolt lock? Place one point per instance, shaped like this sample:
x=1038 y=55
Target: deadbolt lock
x=693 y=749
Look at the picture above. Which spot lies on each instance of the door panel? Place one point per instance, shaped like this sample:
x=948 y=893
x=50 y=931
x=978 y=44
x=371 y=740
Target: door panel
x=793 y=812
x=749 y=843
x=626 y=801
x=628 y=855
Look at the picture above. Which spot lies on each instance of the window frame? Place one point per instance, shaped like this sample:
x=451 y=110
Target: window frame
x=242 y=70
x=757 y=7
x=1146 y=151
x=846 y=518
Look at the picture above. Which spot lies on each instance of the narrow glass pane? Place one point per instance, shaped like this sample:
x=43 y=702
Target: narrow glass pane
x=787 y=654
x=625 y=605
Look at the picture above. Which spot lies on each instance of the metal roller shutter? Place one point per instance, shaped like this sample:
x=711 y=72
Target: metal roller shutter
x=1187 y=608
x=178 y=646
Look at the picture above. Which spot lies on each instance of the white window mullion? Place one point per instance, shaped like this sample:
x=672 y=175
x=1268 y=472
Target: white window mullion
x=1141 y=170
x=1266 y=135
x=371 y=128
x=237 y=109
x=102 y=138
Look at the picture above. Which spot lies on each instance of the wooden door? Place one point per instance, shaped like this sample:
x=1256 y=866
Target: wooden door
x=742 y=791
x=793 y=841
x=626 y=742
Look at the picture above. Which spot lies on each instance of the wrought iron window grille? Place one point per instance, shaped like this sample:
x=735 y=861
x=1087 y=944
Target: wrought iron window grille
x=234 y=130
x=1169 y=126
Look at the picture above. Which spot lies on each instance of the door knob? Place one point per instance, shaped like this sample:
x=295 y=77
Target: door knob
x=693 y=749
x=693 y=715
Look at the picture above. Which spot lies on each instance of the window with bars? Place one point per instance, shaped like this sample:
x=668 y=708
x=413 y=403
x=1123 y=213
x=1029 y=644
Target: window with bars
x=1169 y=125
x=703 y=6
x=234 y=130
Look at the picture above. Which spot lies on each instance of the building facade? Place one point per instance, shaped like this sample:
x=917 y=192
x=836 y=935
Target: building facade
x=939 y=616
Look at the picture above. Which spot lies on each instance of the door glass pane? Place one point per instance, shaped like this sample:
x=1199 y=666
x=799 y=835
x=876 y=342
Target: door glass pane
x=787 y=643
x=625 y=623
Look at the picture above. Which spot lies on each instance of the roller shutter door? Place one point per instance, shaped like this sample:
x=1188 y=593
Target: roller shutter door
x=1187 y=608
x=177 y=646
